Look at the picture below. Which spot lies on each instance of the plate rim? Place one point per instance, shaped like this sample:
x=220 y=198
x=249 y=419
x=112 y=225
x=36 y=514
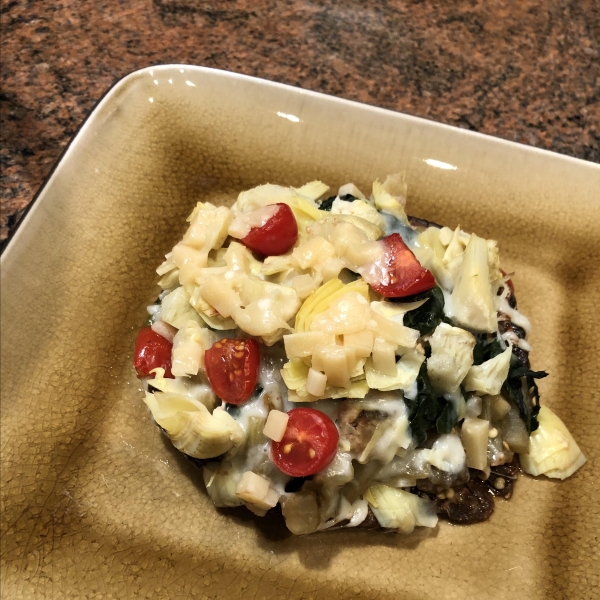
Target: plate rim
x=9 y=243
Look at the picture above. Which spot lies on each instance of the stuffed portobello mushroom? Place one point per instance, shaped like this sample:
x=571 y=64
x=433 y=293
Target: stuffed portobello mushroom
x=356 y=366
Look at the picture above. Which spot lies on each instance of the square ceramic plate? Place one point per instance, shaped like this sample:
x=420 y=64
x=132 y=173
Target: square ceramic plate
x=96 y=503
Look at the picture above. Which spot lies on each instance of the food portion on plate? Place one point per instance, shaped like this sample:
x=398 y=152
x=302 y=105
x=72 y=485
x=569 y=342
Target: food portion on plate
x=354 y=365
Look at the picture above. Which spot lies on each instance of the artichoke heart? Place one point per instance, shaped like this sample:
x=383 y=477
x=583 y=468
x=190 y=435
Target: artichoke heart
x=324 y=297
x=192 y=428
x=359 y=208
x=184 y=386
x=472 y=304
x=407 y=371
x=552 y=451
x=397 y=509
x=388 y=196
x=451 y=357
x=176 y=309
x=489 y=376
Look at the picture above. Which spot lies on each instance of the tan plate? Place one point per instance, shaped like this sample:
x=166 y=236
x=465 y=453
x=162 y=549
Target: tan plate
x=97 y=504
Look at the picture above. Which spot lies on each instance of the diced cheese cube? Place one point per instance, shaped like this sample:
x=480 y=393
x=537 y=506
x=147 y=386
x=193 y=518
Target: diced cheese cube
x=499 y=407
x=474 y=436
x=331 y=268
x=276 y=424
x=164 y=329
x=252 y=487
x=318 y=356
x=304 y=285
x=392 y=331
x=336 y=362
x=299 y=345
x=361 y=341
x=384 y=357
x=315 y=383
x=189 y=345
x=272 y=498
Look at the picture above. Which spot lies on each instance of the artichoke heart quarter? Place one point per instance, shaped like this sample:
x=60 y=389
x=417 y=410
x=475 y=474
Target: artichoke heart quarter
x=192 y=429
x=553 y=451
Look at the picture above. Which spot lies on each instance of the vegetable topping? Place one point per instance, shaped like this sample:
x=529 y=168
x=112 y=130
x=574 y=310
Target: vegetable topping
x=276 y=236
x=232 y=369
x=308 y=444
x=405 y=334
x=397 y=273
x=152 y=351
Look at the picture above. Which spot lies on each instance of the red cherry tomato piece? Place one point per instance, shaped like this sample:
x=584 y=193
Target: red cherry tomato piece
x=308 y=445
x=398 y=273
x=232 y=369
x=276 y=236
x=151 y=352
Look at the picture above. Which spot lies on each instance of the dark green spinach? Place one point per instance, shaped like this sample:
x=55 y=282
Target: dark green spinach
x=448 y=417
x=328 y=203
x=513 y=386
x=427 y=410
x=486 y=350
x=428 y=316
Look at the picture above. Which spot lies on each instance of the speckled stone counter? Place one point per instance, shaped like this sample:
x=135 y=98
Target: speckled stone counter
x=527 y=71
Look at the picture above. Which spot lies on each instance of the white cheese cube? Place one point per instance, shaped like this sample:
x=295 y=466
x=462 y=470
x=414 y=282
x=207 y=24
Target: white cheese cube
x=336 y=362
x=474 y=435
x=331 y=268
x=304 y=285
x=300 y=345
x=164 y=329
x=315 y=383
x=276 y=424
x=384 y=357
x=189 y=345
x=256 y=490
x=392 y=331
x=361 y=342
x=272 y=498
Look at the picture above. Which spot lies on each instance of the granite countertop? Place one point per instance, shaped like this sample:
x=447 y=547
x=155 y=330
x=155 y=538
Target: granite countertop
x=526 y=71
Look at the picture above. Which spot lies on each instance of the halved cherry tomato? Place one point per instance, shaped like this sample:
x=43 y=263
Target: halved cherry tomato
x=232 y=369
x=276 y=236
x=151 y=352
x=308 y=445
x=398 y=273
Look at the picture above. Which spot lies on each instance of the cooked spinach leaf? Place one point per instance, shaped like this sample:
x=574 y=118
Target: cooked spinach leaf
x=427 y=410
x=428 y=316
x=448 y=418
x=328 y=203
x=513 y=386
x=485 y=350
